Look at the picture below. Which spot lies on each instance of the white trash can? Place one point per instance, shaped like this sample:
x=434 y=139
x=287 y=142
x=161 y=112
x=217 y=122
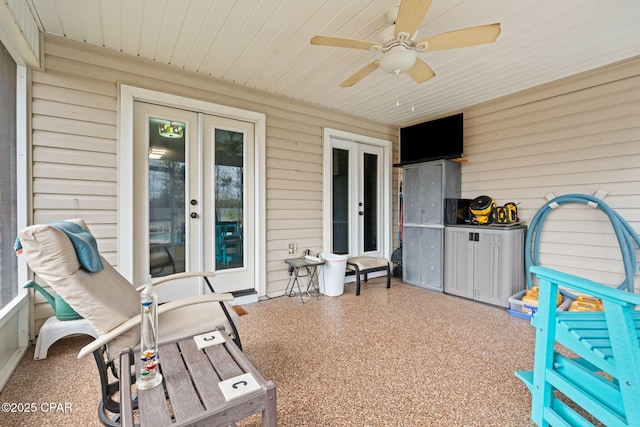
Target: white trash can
x=333 y=270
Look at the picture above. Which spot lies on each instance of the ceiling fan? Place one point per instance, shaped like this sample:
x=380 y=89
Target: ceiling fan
x=399 y=45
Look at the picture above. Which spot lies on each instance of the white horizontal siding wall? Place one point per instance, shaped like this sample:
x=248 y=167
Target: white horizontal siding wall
x=75 y=132
x=577 y=135
x=73 y=160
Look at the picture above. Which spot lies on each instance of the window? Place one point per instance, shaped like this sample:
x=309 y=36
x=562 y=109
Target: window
x=229 y=196
x=340 y=201
x=8 y=175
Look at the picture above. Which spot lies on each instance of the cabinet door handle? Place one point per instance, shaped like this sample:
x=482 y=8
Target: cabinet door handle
x=471 y=237
x=476 y=237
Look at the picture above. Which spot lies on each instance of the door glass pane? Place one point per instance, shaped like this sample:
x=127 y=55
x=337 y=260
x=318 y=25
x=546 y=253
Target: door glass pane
x=370 y=197
x=166 y=197
x=229 y=198
x=340 y=202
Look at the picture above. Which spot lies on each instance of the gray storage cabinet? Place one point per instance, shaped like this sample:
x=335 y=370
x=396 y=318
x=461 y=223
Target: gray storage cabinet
x=425 y=186
x=484 y=263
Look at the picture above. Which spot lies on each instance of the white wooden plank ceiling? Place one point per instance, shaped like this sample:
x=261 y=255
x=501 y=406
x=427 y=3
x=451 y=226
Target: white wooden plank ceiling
x=264 y=44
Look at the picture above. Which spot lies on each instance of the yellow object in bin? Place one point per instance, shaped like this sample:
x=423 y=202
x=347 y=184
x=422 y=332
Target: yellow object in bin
x=531 y=297
x=586 y=303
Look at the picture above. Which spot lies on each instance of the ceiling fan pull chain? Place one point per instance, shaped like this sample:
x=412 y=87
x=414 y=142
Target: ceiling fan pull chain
x=397 y=95
x=412 y=95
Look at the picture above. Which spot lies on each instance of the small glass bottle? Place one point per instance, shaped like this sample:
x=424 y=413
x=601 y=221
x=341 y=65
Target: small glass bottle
x=150 y=375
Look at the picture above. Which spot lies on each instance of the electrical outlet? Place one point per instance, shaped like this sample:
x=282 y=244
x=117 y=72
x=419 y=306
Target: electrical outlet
x=292 y=248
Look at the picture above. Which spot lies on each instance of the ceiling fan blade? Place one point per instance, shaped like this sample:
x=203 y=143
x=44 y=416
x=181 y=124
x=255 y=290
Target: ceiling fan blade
x=410 y=15
x=360 y=74
x=420 y=72
x=461 y=38
x=342 y=42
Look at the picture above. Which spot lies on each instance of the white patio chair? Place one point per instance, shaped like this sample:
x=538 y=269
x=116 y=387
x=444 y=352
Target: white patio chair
x=112 y=305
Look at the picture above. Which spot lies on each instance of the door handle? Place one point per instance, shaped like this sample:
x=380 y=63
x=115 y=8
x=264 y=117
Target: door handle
x=361 y=213
x=194 y=215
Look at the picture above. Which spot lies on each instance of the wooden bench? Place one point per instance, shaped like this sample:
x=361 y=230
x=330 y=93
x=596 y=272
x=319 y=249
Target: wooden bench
x=363 y=265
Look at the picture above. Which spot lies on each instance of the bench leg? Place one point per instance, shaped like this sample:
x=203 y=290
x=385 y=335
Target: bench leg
x=357 y=270
x=388 y=276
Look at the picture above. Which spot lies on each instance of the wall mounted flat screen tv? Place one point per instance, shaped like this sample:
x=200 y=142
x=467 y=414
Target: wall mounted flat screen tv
x=433 y=140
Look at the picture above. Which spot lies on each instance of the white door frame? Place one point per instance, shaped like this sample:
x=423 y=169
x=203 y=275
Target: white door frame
x=386 y=185
x=129 y=94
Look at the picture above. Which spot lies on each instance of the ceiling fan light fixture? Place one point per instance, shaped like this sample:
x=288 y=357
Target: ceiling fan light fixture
x=398 y=60
x=171 y=130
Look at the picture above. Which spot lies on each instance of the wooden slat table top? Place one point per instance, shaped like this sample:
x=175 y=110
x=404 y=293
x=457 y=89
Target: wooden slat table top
x=184 y=398
x=190 y=378
x=201 y=372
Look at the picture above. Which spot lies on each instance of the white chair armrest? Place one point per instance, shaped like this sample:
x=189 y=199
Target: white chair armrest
x=182 y=302
x=176 y=276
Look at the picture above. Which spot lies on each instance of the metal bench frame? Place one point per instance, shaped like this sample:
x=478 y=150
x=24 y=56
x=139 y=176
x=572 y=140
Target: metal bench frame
x=365 y=272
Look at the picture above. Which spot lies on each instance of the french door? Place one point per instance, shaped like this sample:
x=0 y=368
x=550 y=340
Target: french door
x=357 y=198
x=194 y=198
